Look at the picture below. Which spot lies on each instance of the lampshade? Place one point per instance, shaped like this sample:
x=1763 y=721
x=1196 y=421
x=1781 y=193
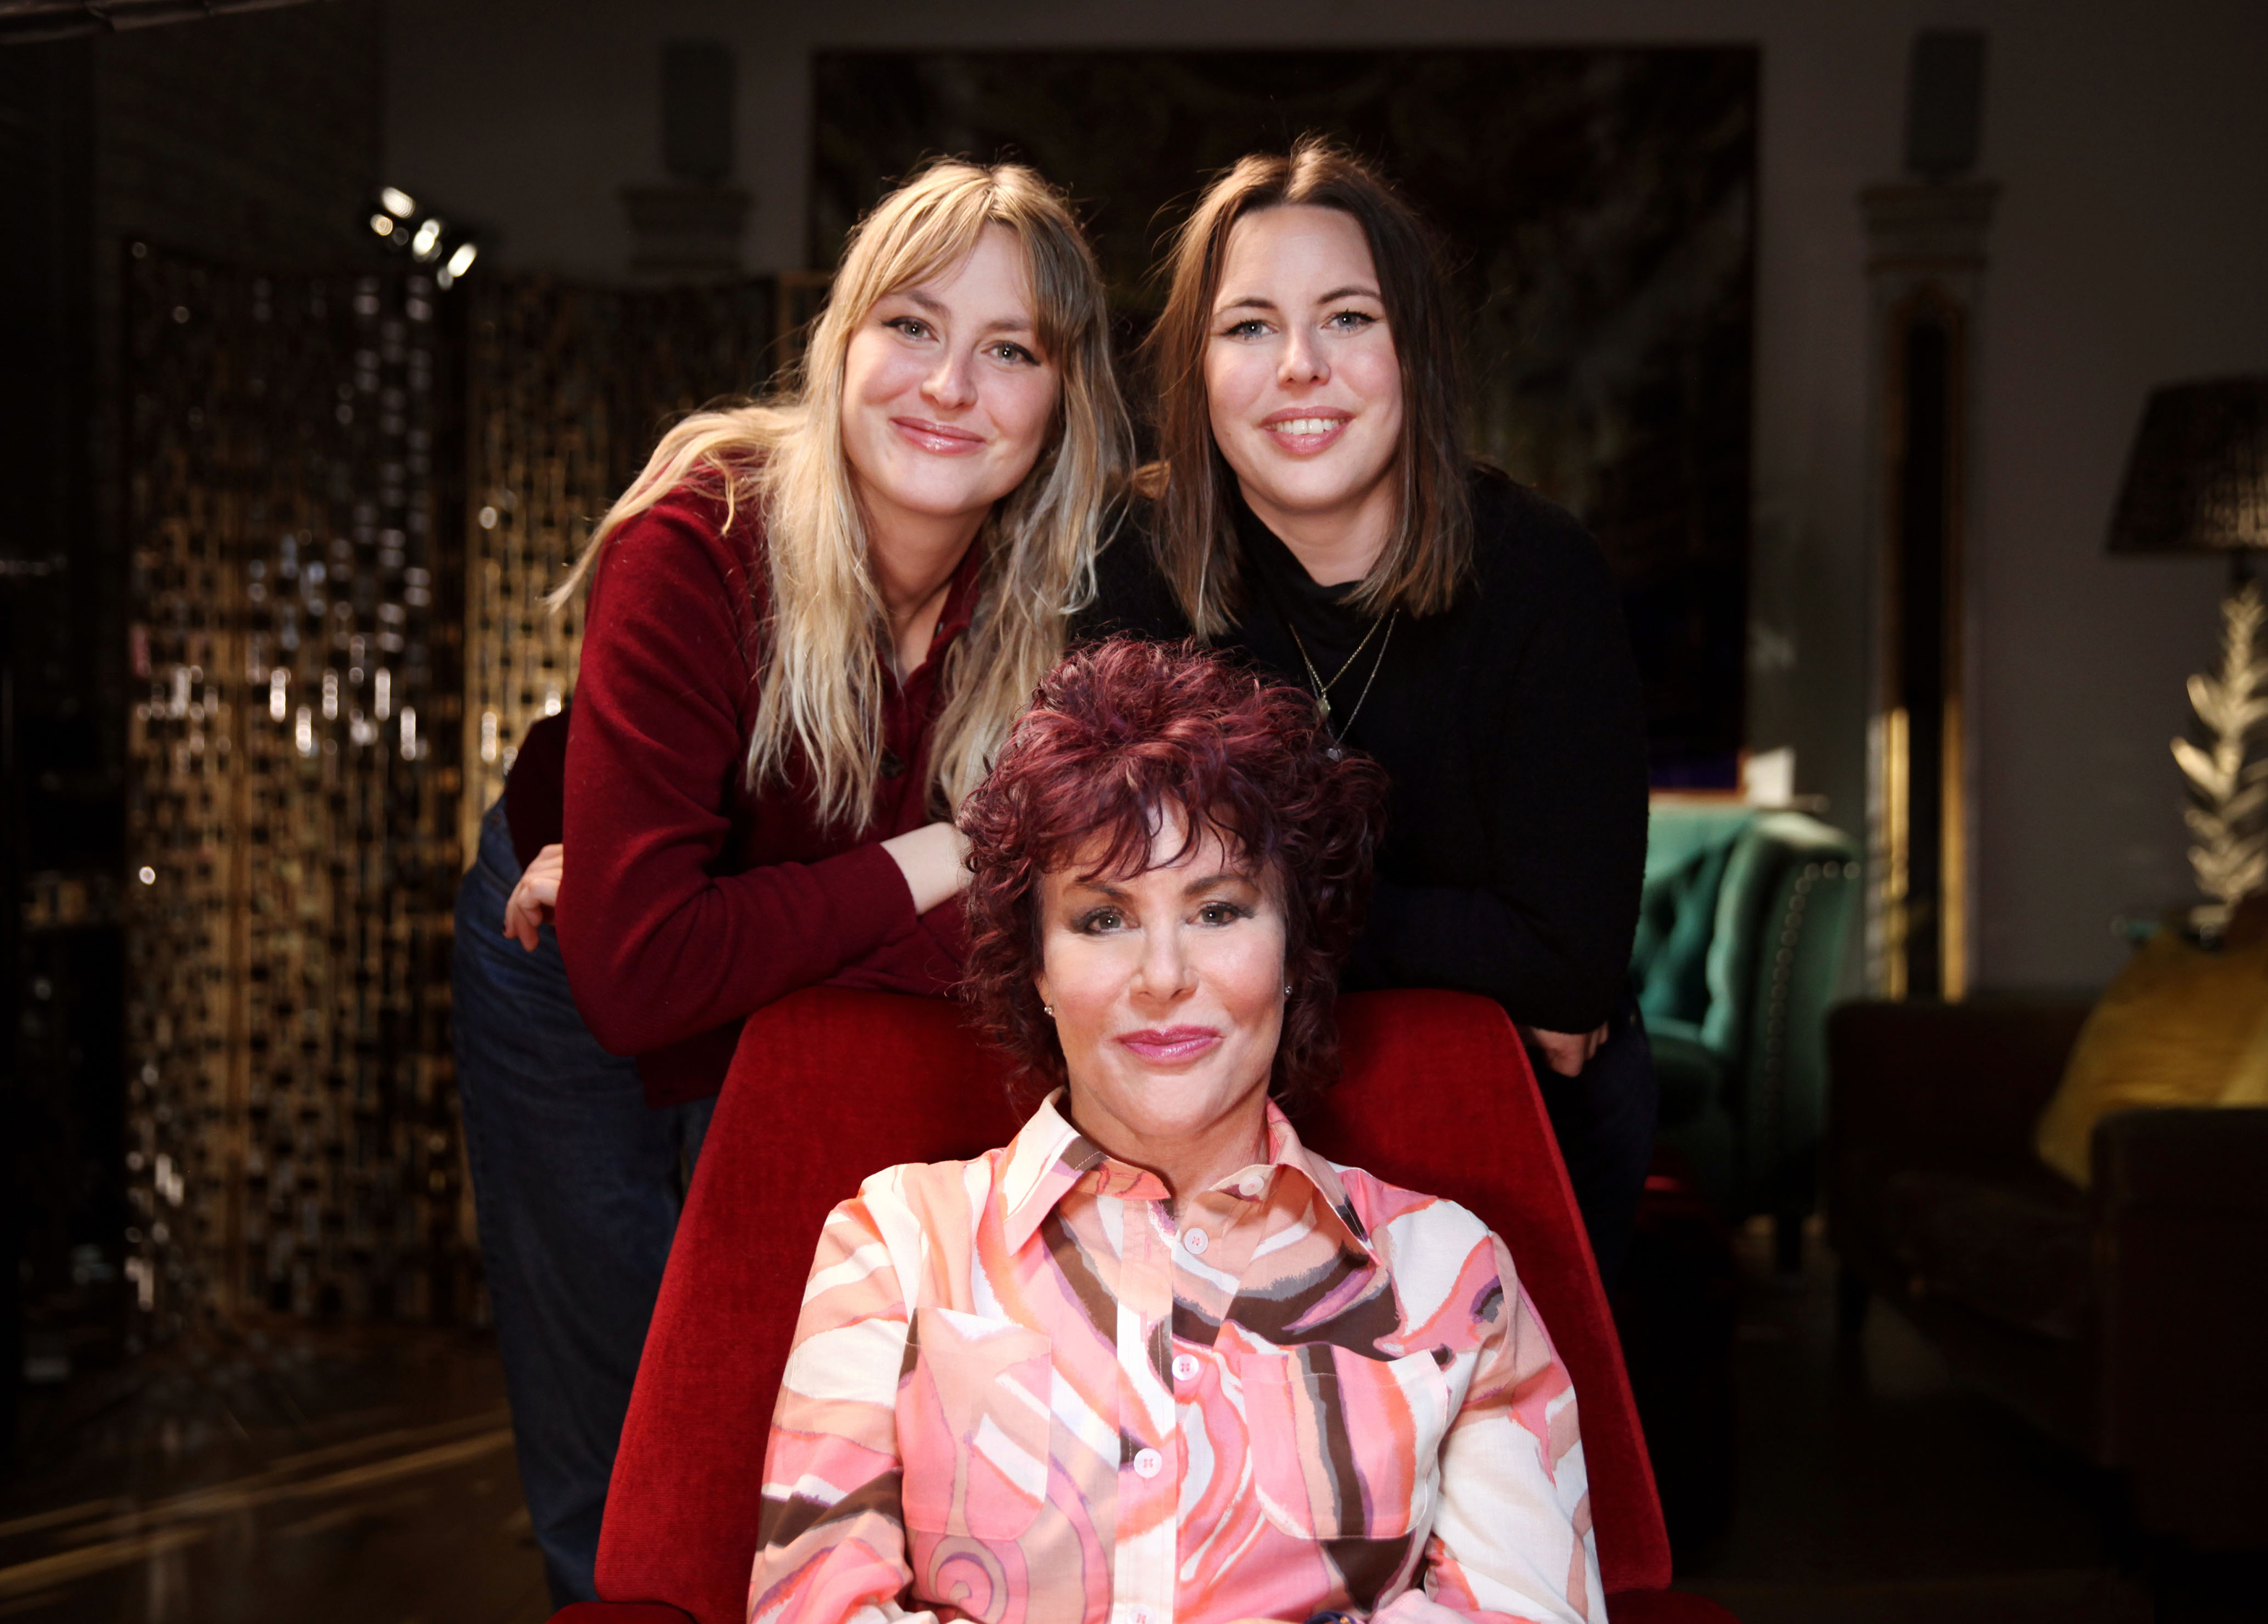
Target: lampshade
x=2197 y=480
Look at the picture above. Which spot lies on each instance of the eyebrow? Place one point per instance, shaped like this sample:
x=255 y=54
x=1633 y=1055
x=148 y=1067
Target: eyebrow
x=936 y=308
x=1193 y=889
x=1253 y=302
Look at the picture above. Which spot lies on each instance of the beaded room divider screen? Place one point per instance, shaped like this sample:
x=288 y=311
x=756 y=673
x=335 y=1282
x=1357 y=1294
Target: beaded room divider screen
x=292 y=1122
x=571 y=388
x=340 y=632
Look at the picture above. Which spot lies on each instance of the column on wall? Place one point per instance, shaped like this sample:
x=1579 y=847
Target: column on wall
x=1925 y=268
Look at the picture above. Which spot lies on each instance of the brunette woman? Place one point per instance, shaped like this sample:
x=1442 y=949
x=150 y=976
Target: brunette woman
x=810 y=623
x=1313 y=505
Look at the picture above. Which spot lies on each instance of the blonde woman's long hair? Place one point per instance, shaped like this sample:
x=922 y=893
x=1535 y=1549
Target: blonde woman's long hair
x=820 y=655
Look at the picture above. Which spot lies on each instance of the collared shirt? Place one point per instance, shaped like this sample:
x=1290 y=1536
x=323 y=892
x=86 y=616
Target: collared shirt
x=1019 y=1393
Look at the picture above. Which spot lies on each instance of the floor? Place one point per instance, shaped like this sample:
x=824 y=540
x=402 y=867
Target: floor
x=1871 y=1487
x=369 y=1480
x=313 y=1476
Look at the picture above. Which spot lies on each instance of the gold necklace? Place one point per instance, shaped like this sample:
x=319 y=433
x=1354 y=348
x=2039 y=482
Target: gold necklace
x=1323 y=689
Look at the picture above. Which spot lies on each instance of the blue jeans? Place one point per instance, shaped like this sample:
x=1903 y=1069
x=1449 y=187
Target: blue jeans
x=578 y=1184
x=1604 y=1120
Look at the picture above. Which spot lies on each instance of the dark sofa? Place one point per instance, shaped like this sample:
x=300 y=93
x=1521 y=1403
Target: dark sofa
x=2130 y=1321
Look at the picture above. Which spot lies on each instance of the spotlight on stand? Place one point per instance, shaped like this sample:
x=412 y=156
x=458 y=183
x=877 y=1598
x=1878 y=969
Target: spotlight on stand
x=427 y=239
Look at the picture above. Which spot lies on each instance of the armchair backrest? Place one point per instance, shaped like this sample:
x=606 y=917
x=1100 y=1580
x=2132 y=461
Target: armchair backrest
x=828 y=1087
x=1765 y=904
x=1785 y=915
x=1721 y=890
x=1687 y=848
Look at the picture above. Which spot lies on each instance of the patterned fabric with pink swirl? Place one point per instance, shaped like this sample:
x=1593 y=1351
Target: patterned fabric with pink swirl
x=1020 y=1394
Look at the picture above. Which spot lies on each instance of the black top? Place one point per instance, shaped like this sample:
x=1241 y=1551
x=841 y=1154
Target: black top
x=536 y=789
x=1512 y=728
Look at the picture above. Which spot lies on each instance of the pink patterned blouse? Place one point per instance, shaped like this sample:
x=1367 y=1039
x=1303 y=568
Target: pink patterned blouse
x=1019 y=1395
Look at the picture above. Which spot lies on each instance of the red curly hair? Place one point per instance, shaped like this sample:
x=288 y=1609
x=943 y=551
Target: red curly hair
x=1121 y=734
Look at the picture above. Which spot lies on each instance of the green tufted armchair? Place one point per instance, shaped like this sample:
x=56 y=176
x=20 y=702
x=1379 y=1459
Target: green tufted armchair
x=1739 y=952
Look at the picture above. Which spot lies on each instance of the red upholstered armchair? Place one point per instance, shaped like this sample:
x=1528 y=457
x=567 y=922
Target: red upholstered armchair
x=828 y=1087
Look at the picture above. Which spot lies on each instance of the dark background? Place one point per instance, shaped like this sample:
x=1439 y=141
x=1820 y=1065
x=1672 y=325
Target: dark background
x=1600 y=205
x=2129 y=138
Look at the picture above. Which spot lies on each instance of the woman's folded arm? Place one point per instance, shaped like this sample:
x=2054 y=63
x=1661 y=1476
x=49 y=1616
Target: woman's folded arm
x=659 y=948
x=1511 y=1539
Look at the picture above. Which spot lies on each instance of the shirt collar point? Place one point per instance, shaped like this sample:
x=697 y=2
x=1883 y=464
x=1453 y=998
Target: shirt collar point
x=1045 y=1162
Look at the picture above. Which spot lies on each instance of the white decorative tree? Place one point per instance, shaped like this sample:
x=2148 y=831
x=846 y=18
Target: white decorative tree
x=2228 y=789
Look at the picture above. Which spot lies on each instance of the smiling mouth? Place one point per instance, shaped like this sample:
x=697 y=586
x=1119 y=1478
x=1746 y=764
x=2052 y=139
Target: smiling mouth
x=1306 y=433
x=1171 y=1045
x=937 y=437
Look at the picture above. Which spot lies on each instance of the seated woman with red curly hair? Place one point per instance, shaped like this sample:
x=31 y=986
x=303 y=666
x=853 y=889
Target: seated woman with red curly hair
x=1154 y=1362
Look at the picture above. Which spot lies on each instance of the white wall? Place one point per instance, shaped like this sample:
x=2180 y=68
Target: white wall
x=2131 y=138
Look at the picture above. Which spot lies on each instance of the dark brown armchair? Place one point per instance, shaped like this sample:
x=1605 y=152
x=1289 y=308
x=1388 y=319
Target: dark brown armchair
x=2129 y=1321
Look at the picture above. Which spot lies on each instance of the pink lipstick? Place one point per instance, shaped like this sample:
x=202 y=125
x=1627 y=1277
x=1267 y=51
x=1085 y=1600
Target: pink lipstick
x=937 y=438
x=1171 y=1045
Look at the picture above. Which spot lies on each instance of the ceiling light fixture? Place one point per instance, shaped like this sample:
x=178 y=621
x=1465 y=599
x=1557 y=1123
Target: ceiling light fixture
x=427 y=238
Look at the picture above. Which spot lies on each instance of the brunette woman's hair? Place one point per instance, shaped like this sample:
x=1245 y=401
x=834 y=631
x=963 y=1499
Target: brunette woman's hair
x=820 y=671
x=1431 y=548
x=1127 y=737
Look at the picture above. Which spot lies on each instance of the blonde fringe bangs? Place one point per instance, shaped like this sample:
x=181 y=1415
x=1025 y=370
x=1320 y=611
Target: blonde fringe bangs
x=821 y=663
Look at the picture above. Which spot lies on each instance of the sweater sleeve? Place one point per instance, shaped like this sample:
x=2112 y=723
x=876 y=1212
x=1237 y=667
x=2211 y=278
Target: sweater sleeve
x=1546 y=929
x=659 y=948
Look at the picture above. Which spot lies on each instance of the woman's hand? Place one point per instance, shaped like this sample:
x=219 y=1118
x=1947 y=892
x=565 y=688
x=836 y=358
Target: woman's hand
x=934 y=859
x=529 y=908
x=1565 y=1053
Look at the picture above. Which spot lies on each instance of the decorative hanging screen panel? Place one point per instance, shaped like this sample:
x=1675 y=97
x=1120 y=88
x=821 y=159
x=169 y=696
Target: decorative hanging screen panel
x=571 y=388
x=293 y=1141
x=328 y=633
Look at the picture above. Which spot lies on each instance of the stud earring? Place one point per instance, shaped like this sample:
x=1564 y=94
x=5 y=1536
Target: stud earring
x=1287 y=989
x=1048 y=1010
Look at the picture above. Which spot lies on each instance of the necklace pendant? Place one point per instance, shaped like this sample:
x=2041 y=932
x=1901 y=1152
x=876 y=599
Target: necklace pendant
x=1334 y=754
x=1323 y=705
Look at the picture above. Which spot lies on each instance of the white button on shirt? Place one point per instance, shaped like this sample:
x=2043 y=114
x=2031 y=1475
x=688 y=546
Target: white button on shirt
x=1185 y=1367
x=1195 y=1241
x=1091 y=1275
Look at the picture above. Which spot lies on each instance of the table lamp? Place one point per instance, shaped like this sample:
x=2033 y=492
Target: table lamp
x=2197 y=481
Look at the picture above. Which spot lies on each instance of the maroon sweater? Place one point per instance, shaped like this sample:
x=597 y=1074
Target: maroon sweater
x=689 y=900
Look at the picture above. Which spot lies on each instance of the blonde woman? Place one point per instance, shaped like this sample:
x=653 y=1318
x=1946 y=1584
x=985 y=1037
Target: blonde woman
x=810 y=623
